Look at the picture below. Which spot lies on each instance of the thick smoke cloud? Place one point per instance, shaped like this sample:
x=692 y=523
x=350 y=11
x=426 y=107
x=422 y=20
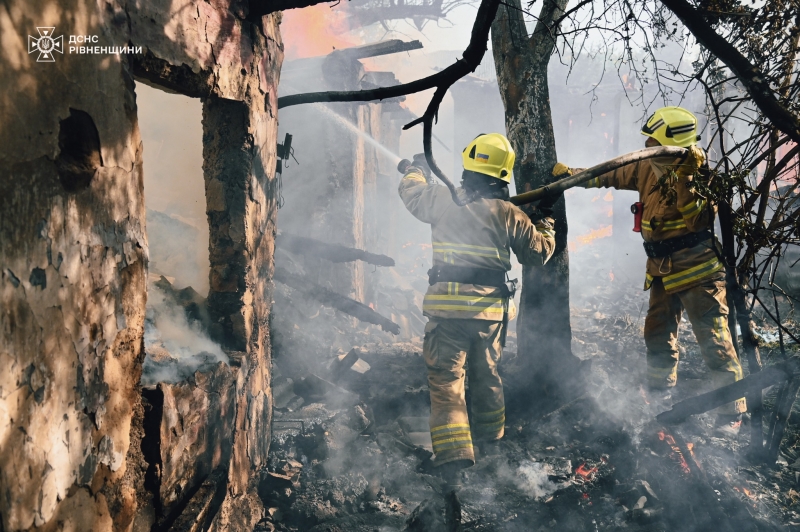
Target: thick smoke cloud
x=175 y=347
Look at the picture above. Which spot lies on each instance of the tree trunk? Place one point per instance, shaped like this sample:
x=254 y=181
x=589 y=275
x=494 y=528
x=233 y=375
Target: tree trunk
x=543 y=327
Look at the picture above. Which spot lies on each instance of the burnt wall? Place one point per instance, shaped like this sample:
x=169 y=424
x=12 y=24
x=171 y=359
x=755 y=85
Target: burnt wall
x=73 y=251
x=73 y=256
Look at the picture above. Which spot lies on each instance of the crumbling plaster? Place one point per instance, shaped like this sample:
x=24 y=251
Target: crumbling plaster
x=73 y=263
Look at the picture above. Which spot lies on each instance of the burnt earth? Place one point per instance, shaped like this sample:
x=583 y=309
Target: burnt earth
x=593 y=460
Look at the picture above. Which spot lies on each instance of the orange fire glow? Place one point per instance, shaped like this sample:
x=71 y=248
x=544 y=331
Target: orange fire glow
x=609 y=196
x=628 y=83
x=594 y=234
x=747 y=492
x=676 y=453
x=313 y=31
x=611 y=275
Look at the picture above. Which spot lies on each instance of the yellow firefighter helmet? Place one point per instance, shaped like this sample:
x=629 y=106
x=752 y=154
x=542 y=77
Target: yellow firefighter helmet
x=490 y=154
x=672 y=126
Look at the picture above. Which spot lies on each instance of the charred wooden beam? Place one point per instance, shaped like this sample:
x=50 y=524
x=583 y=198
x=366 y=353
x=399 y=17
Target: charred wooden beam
x=392 y=46
x=721 y=396
x=330 y=298
x=341 y=365
x=702 y=488
x=332 y=252
x=783 y=408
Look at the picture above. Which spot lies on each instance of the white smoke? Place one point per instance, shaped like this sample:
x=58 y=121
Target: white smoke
x=175 y=347
x=531 y=479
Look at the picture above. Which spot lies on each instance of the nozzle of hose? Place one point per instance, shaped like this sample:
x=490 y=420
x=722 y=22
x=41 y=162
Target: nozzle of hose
x=403 y=165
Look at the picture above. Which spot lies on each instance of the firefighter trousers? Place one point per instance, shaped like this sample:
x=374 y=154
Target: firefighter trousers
x=708 y=313
x=453 y=347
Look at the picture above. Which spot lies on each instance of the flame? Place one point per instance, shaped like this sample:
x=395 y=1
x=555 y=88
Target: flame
x=586 y=474
x=752 y=495
x=611 y=213
x=675 y=453
x=609 y=196
x=594 y=234
x=313 y=31
x=611 y=275
x=628 y=84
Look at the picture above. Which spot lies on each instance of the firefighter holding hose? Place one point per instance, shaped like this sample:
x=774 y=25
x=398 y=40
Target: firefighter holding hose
x=684 y=270
x=469 y=300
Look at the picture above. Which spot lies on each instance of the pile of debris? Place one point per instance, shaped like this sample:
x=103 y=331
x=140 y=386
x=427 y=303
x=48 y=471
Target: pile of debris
x=351 y=449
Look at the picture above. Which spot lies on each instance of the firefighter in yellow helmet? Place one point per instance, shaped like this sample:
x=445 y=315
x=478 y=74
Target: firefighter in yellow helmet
x=683 y=269
x=469 y=300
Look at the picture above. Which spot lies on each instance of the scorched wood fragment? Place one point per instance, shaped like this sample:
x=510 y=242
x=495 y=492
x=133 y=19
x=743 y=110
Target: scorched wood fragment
x=332 y=252
x=330 y=298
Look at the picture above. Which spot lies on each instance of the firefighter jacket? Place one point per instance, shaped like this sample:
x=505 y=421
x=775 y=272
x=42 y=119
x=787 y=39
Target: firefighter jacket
x=688 y=214
x=480 y=234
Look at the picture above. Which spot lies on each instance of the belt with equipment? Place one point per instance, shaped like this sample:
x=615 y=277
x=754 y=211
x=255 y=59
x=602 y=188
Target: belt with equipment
x=445 y=273
x=665 y=248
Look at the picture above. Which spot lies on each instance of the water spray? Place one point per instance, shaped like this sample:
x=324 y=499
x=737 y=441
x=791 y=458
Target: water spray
x=393 y=157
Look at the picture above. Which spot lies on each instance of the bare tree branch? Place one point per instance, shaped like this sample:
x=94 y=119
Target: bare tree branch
x=259 y=8
x=749 y=75
x=443 y=80
x=471 y=59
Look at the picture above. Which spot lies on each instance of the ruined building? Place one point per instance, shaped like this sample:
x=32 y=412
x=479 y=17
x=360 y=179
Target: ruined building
x=343 y=190
x=80 y=448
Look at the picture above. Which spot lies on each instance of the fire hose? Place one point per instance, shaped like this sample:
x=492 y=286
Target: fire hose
x=557 y=187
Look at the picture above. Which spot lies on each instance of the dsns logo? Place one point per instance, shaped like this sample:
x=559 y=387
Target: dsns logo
x=46 y=44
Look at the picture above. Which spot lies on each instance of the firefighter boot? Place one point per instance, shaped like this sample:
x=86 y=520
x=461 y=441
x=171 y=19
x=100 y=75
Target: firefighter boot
x=451 y=475
x=451 y=484
x=452 y=512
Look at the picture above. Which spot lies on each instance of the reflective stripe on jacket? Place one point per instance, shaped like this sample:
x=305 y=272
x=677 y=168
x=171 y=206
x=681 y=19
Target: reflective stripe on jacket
x=481 y=234
x=688 y=214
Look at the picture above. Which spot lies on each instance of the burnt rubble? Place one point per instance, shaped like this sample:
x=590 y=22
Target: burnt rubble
x=351 y=449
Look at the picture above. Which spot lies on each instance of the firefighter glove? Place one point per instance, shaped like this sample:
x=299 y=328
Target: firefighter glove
x=561 y=170
x=421 y=163
x=539 y=213
x=694 y=160
x=546 y=225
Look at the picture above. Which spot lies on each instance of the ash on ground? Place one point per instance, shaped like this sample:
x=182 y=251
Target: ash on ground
x=351 y=449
